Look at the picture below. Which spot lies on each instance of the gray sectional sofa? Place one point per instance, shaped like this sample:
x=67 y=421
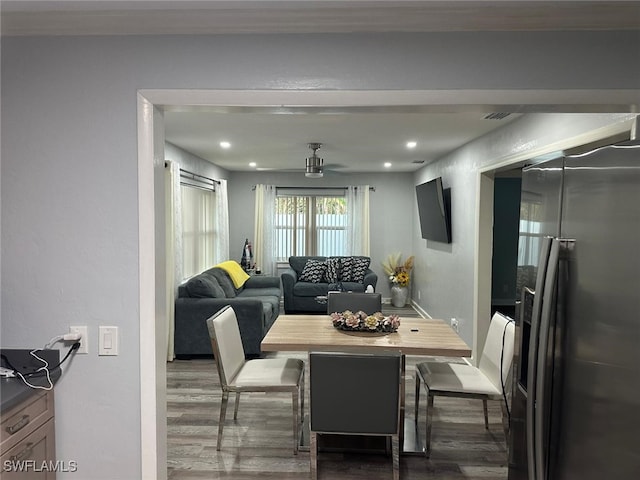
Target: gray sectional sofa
x=338 y=273
x=256 y=304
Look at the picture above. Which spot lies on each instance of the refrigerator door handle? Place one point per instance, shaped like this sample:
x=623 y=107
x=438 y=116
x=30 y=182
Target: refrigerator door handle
x=533 y=354
x=546 y=320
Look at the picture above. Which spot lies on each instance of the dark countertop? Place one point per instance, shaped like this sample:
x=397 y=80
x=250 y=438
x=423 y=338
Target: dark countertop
x=13 y=390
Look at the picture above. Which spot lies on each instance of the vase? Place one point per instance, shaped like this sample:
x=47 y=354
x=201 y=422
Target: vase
x=399 y=295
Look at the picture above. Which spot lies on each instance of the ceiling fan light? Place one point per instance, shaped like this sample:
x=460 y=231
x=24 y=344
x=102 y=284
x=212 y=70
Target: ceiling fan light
x=314 y=167
x=314 y=163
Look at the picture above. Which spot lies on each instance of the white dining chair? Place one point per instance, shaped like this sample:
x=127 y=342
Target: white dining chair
x=487 y=381
x=257 y=375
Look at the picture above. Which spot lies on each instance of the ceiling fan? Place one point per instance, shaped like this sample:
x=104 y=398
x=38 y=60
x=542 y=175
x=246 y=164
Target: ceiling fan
x=314 y=164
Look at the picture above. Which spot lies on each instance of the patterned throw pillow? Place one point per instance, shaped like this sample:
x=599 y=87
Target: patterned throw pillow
x=346 y=272
x=313 y=271
x=360 y=266
x=333 y=270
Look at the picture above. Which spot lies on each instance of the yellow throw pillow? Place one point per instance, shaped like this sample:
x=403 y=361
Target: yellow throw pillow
x=238 y=276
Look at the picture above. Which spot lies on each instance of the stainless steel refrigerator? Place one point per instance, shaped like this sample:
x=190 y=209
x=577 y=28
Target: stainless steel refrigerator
x=576 y=390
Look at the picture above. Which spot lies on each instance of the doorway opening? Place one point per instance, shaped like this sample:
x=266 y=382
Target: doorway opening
x=152 y=299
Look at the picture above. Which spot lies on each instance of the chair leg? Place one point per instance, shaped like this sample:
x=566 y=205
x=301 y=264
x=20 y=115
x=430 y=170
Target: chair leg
x=223 y=414
x=427 y=447
x=294 y=401
x=313 y=455
x=302 y=397
x=486 y=413
x=417 y=399
x=235 y=409
x=395 y=453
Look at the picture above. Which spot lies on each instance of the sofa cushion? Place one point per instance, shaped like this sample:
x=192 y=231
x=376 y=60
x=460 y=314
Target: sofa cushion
x=298 y=263
x=360 y=266
x=204 y=286
x=260 y=292
x=224 y=280
x=346 y=269
x=307 y=289
x=313 y=271
x=332 y=274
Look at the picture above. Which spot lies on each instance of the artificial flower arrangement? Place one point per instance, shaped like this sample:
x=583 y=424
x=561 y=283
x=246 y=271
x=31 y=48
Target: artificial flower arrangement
x=399 y=272
x=361 y=322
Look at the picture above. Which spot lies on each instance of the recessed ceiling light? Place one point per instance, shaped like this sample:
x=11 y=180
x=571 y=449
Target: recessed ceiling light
x=225 y=144
x=252 y=164
x=412 y=144
x=387 y=164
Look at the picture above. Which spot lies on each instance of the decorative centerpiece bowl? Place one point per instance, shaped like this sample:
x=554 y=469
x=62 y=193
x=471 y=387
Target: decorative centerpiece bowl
x=361 y=322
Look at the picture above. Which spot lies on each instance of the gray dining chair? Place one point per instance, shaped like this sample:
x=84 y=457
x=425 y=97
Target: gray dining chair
x=487 y=381
x=369 y=303
x=355 y=394
x=258 y=375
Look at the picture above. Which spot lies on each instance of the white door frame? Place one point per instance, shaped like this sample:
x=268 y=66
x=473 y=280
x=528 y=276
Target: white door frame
x=150 y=140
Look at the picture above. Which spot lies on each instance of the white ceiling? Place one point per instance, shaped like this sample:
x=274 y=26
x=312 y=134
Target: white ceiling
x=353 y=141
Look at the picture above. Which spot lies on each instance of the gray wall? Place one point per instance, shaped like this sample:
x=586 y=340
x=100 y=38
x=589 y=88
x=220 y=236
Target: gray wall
x=69 y=177
x=193 y=163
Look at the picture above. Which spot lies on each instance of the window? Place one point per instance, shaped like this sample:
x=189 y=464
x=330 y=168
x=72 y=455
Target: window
x=310 y=225
x=529 y=237
x=198 y=229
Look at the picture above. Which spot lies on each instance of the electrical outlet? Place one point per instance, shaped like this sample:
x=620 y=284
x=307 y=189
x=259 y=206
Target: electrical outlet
x=84 y=341
x=418 y=294
x=454 y=324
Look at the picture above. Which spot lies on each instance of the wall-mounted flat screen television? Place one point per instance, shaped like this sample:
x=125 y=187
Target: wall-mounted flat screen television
x=434 y=204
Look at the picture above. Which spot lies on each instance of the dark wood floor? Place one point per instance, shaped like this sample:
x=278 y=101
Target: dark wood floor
x=259 y=445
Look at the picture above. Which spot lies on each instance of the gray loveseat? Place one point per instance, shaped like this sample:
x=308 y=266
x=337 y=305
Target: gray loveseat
x=256 y=304
x=324 y=274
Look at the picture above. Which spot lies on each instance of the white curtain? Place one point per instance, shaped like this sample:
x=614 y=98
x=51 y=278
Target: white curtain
x=198 y=233
x=173 y=241
x=263 y=246
x=221 y=247
x=358 y=220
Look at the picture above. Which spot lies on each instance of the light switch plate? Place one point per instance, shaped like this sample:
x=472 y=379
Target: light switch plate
x=108 y=340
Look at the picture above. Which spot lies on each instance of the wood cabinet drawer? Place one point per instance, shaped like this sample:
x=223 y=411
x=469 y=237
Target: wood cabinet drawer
x=25 y=418
x=32 y=458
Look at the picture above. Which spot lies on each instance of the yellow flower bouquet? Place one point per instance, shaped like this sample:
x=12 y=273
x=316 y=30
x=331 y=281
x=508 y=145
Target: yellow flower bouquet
x=399 y=272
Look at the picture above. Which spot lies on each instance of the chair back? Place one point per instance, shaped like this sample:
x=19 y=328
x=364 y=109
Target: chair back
x=496 y=352
x=226 y=344
x=355 y=393
x=369 y=303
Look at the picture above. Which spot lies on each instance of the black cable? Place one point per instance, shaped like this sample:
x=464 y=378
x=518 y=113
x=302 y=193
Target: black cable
x=73 y=348
x=39 y=373
x=504 y=393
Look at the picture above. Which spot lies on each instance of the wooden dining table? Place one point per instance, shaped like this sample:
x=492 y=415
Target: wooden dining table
x=415 y=336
